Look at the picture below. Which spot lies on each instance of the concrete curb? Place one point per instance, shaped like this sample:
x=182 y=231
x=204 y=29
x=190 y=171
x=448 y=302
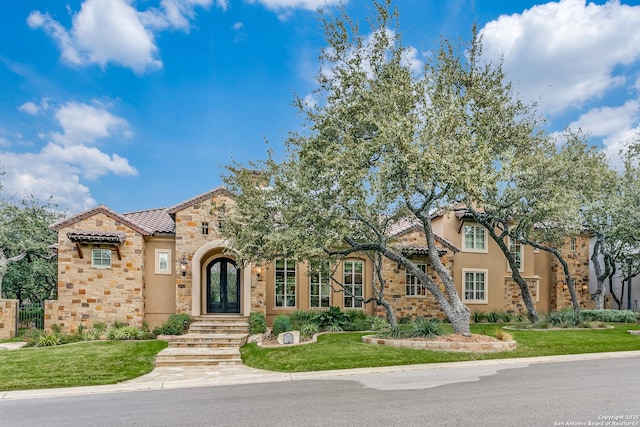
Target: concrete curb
x=176 y=378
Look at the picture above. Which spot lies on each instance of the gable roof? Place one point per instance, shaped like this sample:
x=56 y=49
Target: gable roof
x=198 y=199
x=407 y=225
x=101 y=209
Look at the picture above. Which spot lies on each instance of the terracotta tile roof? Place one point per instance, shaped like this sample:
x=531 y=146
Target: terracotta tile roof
x=96 y=236
x=103 y=210
x=158 y=221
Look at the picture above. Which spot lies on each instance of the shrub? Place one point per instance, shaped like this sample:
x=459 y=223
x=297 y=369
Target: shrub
x=356 y=316
x=493 y=316
x=125 y=333
x=504 y=316
x=612 y=316
x=426 y=328
x=281 y=323
x=478 y=316
x=48 y=340
x=176 y=324
x=359 y=325
x=257 y=323
x=379 y=323
x=404 y=321
x=333 y=319
x=99 y=327
x=309 y=329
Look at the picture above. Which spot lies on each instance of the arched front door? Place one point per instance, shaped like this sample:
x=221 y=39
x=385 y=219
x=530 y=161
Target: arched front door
x=223 y=286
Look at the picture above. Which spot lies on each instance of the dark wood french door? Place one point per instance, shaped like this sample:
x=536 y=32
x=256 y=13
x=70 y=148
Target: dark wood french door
x=223 y=286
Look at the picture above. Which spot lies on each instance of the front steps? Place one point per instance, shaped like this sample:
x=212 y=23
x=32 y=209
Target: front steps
x=211 y=340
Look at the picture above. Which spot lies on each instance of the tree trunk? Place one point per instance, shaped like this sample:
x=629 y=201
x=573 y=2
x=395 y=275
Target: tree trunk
x=611 y=290
x=601 y=274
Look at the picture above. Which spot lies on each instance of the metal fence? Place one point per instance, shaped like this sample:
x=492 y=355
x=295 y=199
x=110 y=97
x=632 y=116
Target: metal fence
x=31 y=316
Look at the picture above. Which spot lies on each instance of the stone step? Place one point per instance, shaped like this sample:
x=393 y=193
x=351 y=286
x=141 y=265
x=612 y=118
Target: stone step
x=186 y=356
x=208 y=340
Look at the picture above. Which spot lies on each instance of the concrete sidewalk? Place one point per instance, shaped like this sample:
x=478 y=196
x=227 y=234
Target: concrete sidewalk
x=187 y=377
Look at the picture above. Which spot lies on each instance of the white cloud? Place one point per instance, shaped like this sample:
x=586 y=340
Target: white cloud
x=616 y=126
x=84 y=123
x=114 y=31
x=59 y=168
x=295 y=4
x=565 y=53
x=29 y=108
x=237 y=26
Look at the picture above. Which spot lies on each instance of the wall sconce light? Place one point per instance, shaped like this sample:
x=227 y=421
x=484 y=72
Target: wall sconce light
x=564 y=288
x=183 y=265
x=258 y=271
x=585 y=288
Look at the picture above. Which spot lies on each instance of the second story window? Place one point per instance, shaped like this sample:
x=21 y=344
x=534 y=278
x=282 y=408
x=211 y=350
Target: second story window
x=205 y=228
x=353 y=284
x=474 y=239
x=101 y=258
x=572 y=244
x=516 y=250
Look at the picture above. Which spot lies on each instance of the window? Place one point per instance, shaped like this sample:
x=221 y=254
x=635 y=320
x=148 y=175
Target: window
x=320 y=290
x=572 y=244
x=101 y=258
x=205 y=228
x=163 y=261
x=516 y=250
x=414 y=286
x=475 y=285
x=285 y=283
x=220 y=226
x=353 y=280
x=475 y=238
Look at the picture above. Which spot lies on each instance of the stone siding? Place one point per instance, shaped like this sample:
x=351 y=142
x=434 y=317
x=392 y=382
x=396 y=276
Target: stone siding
x=87 y=294
x=396 y=281
x=578 y=261
x=8 y=318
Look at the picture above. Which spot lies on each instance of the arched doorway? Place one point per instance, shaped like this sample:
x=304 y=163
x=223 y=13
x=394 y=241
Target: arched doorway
x=223 y=286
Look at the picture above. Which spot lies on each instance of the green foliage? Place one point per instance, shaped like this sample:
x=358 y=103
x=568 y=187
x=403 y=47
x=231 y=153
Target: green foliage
x=124 y=333
x=612 y=316
x=176 y=324
x=257 y=323
x=478 y=316
x=308 y=329
x=426 y=328
x=48 y=340
x=333 y=319
x=281 y=323
x=24 y=230
x=302 y=317
x=56 y=328
x=99 y=327
x=493 y=316
x=405 y=321
x=379 y=323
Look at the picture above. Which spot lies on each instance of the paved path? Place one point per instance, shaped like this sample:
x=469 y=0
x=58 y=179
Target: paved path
x=172 y=378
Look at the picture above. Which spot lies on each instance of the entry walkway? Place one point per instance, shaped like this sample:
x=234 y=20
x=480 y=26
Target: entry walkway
x=173 y=377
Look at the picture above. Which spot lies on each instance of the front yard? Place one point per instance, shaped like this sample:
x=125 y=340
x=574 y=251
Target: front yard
x=110 y=362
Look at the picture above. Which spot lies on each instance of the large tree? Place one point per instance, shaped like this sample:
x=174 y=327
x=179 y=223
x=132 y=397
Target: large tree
x=383 y=144
x=27 y=265
x=614 y=219
x=540 y=187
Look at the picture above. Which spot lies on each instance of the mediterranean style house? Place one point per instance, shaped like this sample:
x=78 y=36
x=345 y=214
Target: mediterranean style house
x=143 y=266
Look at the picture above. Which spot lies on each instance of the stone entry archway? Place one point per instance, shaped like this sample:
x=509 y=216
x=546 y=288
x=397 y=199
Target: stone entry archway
x=202 y=257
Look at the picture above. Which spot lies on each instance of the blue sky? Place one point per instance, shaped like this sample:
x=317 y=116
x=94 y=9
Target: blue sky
x=139 y=104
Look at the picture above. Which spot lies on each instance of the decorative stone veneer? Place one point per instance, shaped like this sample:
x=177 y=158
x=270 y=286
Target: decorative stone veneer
x=189 y=238
x=88 y=294
x=8 y=318
x=513 y=302
x=396 y=280
x=578 y=261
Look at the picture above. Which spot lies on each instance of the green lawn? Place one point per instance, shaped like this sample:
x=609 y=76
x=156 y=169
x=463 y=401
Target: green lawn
x=110 y=362
x=342 y=351
x=79 y=364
